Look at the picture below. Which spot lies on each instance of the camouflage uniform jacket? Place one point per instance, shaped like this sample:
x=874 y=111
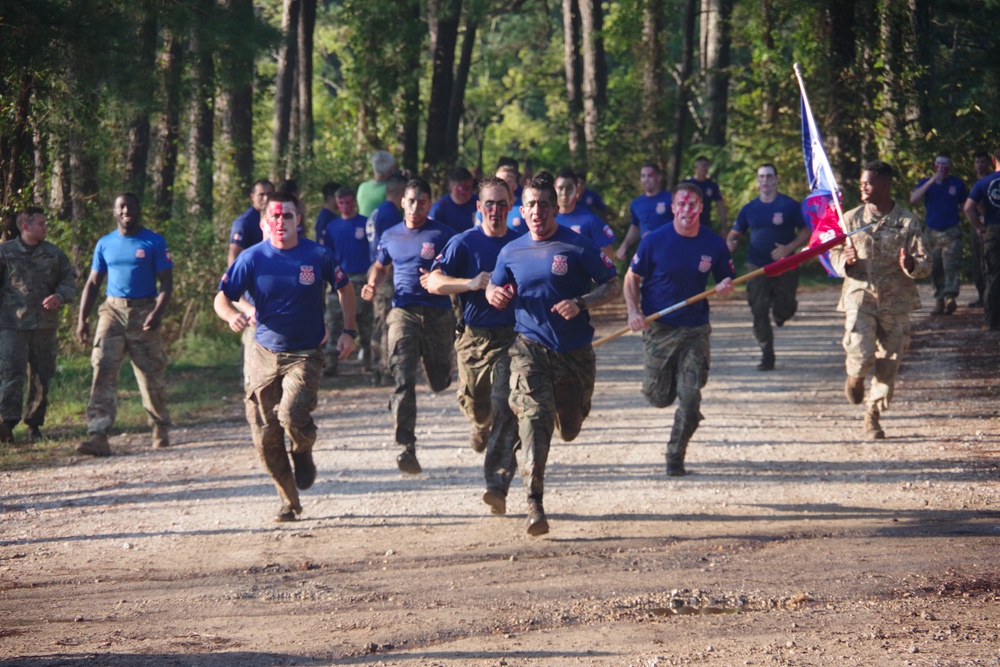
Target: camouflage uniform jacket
x=27 y=276
x=876 y=282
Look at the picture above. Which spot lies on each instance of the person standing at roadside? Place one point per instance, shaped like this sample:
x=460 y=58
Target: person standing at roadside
x=372 y=193
x=36 y=279
x=135 y=260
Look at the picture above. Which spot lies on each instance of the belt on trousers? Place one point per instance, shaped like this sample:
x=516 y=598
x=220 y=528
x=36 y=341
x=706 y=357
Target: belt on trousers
x=503 y=332
x=118 y=301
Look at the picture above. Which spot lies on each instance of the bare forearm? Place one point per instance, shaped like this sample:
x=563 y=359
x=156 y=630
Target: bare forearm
x=604 y=293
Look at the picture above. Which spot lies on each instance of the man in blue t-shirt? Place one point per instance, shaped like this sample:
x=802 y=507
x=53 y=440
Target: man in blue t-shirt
x=329 y=210
x=777 y=229
x=550 y=277
x=485 y=337
x=135 y=260
x=421 y=325
x=982 y=209
x=387 y=214
x=285 y=276
x=578 y=219
x=346 y=237
x=246 y=228
x=673 y=264
x=457 y=209
x=711 y=193
x=649 y=211
x=943 y=196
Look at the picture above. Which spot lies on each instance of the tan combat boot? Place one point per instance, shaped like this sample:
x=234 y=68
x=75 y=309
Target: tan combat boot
x=854 y=389
x=95 y=445
x=161 y=437
x=938 y=307
x=873 y=430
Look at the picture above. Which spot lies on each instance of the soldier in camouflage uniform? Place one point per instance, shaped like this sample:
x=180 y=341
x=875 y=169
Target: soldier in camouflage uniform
x=879 y=268
x=36 y=278
x=134 y=259
x=672 y=264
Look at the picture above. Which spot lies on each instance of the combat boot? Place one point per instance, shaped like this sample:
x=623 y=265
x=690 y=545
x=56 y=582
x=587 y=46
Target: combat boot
x=873 y=430
x=408 y=463
x=675 y=468
x=767 y=357
x=854 y=389
x=950 y=306
x=35 y=434
x=95 y=445
x=6 y=437
x=497 y=501
x=938 y=307
x=478 y=439
x=161 y=436
x=537 y=523
x=305 y=469
x=288 y=513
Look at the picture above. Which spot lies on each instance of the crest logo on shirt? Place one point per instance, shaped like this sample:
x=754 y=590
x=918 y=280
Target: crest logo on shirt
x=359 y=233
x=560 y=265
x=427 y=251
x=952 y=190
x=705 y=264
x=708 y=193
x=589 y=200
x=661 y=207
x=778 y=218
x=306 y=275
x=140 y=253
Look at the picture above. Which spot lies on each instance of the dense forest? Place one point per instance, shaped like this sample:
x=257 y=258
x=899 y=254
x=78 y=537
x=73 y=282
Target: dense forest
x=187 y=102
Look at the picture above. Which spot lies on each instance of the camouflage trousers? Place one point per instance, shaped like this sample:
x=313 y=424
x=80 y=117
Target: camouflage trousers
x=945 y=248
x=549 y=391
x=876 y=341
x=381 y=305
x=26 y=355
x=417 y=333
x=280 y=399
x=334 y=317
x=119 y=332
x=991 y=277
x=483 y=395
x=767 y=295
x=677 y=361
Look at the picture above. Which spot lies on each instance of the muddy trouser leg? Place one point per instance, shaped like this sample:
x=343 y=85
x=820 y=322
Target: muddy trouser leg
x=149 y=364
x=300 y=373
x=860 y=342
x=574 y=373
x=991 y=277
x=41 y=369
x=976 y=270
x=404 y=355
x=333 y=317
x=760 y=296
x=946 y=255
x=106 y=358
x=893 y=339
x=437 y=343
x=475 y=382
x=13 y=366
x=501 y=447
x=381 y=306
x=783 y=290
x=532 y=399
x=247 y=341
x=264 y=394
x=365 y=320
x=677 y=363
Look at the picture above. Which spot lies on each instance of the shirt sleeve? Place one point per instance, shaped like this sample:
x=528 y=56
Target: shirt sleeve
x=236 y=278
x=163 y=259
x=98 y=263
x=450 y=259
x=332 y=272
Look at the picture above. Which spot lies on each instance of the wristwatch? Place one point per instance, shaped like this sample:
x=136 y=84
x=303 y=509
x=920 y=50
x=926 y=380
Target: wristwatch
x=580 y=303
x=353 y=333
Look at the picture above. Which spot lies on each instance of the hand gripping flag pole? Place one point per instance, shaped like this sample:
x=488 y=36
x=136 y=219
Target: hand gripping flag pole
x=773 y=269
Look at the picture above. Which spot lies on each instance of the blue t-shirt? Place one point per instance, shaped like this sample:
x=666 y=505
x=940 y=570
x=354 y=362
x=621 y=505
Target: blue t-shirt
x=986 y=191
x=675 y=268
x=246 y=229
x=323 y=219
x=649 y=213
x=592 y=201
x=942 y=202
x=349 y=243
x=545 y=273
x=588 y=224
x=459 y=218
x=132 y=262
x=410 y=250
x=775 y=222
x=287 y=290
x=386 y=215
x=710 y=194
x=466 y=256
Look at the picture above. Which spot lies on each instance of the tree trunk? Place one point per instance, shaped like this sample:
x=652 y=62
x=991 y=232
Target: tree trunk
x=442 y=82
x=60 y=193
x=919 y=53
x=594 y=70
x=201 y=126
x=13 y=149
x=137 y=154
x=234 y=108
x=842 y=138
x=769 y=108
x=574 y=80
x=284 y=90
x=457 y=107
x=683 y=94
x=307 y=24
x=409 y=131
x=168 y=127
x=652 y=78
x=716 y=15
x=890 y=45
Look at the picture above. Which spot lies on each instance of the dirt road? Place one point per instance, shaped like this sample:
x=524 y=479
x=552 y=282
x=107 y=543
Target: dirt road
x=795 y=541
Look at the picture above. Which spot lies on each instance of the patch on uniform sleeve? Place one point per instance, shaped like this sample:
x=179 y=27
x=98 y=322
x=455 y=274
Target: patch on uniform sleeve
x=607 y=232
x=427 y=251
x=705 y=264
x=140 y=253
x=607 y=260
x=170 y=257
x=338 y=275
x=306 y=275
x=560 y=265
x=237 y=237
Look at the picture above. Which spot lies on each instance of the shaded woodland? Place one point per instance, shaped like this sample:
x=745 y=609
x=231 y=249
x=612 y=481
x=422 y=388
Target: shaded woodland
x=187 y=102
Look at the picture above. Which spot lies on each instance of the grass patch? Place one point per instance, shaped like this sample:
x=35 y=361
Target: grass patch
x=204 y=382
